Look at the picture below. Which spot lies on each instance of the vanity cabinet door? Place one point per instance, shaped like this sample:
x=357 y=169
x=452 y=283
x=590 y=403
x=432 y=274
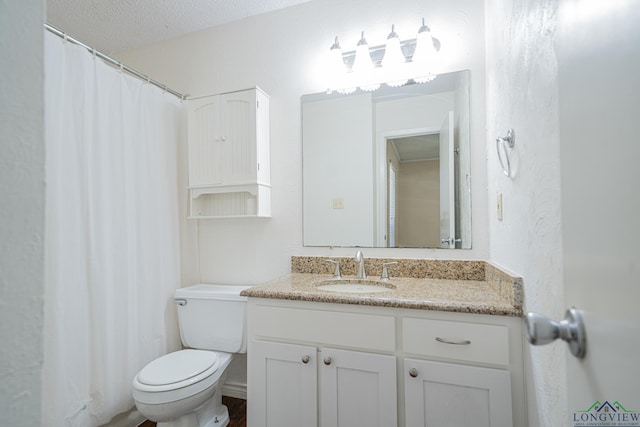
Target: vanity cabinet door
x=446 y=394
x=357 y=389
x=283 y=392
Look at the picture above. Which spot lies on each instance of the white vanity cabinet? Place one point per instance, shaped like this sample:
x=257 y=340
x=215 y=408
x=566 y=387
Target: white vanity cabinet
x=385 y=367
x=310 y=365
x=229 y=160
x=285 y=376
x=357 y=388
x=441 y=394
x=309 y=386
x=446 y=394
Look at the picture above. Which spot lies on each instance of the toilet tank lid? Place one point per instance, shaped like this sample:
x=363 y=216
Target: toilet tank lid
x=207 y=291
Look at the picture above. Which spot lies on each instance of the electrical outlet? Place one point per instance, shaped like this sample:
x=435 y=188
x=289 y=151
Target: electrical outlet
x=499 y=207
x=338 y=203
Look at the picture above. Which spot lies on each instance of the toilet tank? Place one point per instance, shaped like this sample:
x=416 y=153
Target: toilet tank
x=212 y=317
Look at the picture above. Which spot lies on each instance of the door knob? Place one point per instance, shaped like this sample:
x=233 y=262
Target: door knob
x=327 y=361
x=542 y=330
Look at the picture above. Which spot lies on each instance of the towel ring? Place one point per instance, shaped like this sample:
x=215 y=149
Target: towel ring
x=502 y=142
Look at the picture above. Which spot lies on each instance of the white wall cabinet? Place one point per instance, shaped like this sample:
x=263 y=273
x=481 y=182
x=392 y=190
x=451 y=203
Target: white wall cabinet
x=229 y=160
x=386 y=367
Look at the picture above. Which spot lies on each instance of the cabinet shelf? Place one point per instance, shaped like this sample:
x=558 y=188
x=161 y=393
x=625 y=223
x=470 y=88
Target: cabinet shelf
x=230 y=201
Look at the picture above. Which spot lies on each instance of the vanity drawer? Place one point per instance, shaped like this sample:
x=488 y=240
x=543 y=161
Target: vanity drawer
x=323 y=327
x=471 y=342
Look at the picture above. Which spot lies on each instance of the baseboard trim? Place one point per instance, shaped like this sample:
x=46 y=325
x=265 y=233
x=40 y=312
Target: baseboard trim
x=235 y=389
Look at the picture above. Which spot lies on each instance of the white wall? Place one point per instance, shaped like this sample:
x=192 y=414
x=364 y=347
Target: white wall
x=522 y=93
x=283 y=53
x=21 y=210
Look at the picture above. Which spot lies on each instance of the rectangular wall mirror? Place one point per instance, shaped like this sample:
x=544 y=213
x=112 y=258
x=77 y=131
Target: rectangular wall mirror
x=388 y=168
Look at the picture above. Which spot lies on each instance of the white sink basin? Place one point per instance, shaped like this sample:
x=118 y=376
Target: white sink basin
x=354 y=286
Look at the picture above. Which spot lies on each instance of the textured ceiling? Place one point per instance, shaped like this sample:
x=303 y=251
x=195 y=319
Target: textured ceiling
x=112 y=25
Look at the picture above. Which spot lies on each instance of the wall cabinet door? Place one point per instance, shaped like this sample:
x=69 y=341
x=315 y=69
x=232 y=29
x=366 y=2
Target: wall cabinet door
x=283 y=392
x=205 y=141
x=357 y=389
x=238 y=134
x=229 y=139
x=447 y=394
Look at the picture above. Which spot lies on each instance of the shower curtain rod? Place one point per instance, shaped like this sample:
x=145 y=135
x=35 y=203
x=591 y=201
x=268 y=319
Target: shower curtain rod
x=115 y=62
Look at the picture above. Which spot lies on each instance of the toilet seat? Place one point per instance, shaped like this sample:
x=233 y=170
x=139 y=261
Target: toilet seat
x=178 y=369
x=165 y=393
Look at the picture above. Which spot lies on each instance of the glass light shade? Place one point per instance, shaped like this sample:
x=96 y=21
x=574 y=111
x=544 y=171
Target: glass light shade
x=370 y=87
x=336 y=66
x=393 y=61
x=362 y=62
x=424 y=57
x=363 y=69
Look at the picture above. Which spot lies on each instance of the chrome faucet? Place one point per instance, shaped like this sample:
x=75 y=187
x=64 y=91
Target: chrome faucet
x=359 y=258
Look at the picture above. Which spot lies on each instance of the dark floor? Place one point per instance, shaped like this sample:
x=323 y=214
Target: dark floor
x=237 y=413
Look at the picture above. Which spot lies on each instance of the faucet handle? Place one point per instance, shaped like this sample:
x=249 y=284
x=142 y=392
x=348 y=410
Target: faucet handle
x=385 y=271
x=336 y=273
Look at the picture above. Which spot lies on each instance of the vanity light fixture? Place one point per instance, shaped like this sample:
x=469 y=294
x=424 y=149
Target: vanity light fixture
x=395 y=63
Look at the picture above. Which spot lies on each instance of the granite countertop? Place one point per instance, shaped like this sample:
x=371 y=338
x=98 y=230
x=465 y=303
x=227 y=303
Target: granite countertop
x=466 y=296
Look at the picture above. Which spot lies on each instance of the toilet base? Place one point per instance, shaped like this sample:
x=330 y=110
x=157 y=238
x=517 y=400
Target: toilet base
x=211 y=414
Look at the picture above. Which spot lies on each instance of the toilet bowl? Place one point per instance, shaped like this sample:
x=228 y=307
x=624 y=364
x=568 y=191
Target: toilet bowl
x=183 y=388
x=182 y=382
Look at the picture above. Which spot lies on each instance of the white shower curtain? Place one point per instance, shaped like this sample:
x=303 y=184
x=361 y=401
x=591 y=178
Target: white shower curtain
x=112 y=244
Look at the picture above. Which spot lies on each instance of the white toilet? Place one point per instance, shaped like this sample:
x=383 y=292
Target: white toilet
x=182 y=389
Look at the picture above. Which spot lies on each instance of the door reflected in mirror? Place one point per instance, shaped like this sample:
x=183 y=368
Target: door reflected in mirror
x=388 y=168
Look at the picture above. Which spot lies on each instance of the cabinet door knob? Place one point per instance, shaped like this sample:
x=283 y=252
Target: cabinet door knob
x=413 y=372
x=305 y=359
x=327 y=361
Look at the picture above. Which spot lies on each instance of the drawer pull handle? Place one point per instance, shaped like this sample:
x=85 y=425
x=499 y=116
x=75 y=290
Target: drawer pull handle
x=453 y=341
x=413 y=372
x=305 y=359
x=327 y=361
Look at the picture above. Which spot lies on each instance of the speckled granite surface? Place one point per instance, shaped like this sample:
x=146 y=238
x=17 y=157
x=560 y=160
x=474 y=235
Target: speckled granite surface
x=465 y=286
x=415 y=268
